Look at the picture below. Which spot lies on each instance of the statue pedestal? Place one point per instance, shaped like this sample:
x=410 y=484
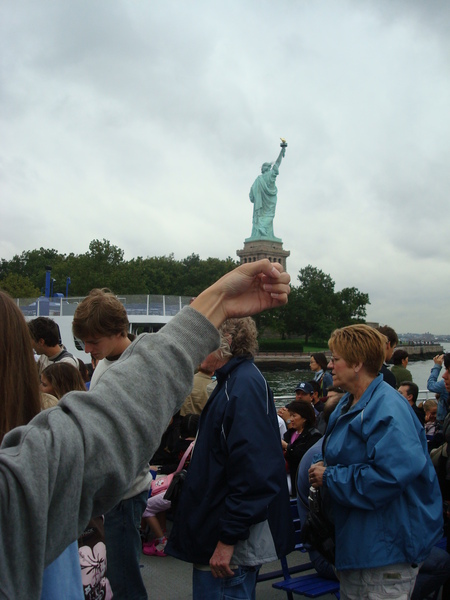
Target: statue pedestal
x=258 y=249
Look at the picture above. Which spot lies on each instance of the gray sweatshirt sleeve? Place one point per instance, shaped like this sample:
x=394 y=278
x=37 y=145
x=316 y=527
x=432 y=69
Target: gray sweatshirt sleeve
x=78 y=459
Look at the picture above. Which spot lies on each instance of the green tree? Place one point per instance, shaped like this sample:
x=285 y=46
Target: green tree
x=275 y=320
x=351 y=306
x=32 y=265
x=96 y=268
x=199 y=274
x=18 y=286
x=315 y=314
x=160 y=275
x=315 y=309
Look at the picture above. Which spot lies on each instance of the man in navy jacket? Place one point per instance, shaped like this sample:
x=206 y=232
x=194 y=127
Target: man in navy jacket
x=234 y=510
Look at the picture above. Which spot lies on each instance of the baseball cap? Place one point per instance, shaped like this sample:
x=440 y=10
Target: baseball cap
x=304 y=387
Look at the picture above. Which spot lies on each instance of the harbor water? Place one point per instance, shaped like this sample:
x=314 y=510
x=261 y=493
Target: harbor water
x=283 y=383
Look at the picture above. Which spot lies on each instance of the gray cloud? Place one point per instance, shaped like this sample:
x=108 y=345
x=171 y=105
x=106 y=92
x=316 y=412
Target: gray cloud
x=146 y=124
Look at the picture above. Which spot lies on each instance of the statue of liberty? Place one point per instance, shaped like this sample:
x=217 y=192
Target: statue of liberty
x=263 y=194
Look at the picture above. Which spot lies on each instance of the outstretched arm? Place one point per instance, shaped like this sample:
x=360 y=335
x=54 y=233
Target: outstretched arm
x=249 y=289
x=80 y=457
x=280 y=157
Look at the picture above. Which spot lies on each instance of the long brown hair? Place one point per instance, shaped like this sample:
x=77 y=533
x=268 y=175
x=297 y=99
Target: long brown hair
x=19 y=381
x=64 y=378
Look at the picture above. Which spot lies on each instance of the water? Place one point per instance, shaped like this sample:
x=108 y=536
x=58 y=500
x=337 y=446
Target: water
x=284 y=382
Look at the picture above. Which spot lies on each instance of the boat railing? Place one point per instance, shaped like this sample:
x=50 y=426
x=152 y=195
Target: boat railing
x=136 y=305
x=423 y=395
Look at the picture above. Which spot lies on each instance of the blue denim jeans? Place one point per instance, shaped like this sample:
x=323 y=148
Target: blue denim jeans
x=240 y=587
x=123 y=548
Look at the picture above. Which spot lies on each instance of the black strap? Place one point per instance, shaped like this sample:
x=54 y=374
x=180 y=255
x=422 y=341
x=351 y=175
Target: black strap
x=62 y=355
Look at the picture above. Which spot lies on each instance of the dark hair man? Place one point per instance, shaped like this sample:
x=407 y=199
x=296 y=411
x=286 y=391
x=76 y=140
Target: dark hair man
x=304 y=391
x=391 y=343
x=410 y=391
x=45 y=338
x=400 y=359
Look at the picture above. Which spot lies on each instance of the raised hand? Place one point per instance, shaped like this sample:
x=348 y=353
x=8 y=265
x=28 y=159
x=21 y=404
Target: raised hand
x=247 y=290
x=439 y=359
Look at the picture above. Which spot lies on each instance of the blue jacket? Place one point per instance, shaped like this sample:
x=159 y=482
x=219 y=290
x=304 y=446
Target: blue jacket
x=236 y=489
x=433 y=385
x=379 y=480
x=325 y=379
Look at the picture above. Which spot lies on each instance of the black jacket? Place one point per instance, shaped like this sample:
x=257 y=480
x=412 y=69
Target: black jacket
x=294 y=452
x=388 y=376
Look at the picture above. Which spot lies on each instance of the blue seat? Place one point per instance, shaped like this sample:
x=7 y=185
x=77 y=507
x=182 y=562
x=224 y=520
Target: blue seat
x=310 y=586
x=280 y=572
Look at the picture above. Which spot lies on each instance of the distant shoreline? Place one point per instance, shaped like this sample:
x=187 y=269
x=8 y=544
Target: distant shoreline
x=282 y=361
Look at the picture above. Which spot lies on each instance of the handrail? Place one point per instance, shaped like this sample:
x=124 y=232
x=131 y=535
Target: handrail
x=150 y=305
x=423 y=395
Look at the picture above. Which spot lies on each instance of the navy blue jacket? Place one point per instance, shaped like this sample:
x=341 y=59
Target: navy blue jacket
x=236 y=489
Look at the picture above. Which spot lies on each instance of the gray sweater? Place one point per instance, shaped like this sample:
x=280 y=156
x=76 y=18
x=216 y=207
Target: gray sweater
x=79 y=458
x=144 y=479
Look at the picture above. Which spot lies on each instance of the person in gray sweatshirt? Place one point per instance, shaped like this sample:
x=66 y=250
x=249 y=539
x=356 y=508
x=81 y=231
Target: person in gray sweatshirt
x=78 y=459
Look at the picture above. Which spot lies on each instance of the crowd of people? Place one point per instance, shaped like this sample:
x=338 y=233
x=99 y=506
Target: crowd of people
x=354 y=437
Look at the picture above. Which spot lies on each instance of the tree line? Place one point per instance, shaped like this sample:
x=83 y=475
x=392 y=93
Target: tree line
x=313 y=311
x=103 y=265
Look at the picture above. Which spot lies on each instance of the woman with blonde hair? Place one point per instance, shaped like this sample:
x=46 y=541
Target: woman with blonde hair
x=378 y=482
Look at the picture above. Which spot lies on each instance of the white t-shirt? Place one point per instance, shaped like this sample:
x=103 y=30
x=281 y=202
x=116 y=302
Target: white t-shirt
x=282 y=426
x=44 y=361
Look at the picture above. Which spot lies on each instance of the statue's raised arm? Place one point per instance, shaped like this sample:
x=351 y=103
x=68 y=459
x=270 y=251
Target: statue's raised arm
x=282 y=153
x=263 y=194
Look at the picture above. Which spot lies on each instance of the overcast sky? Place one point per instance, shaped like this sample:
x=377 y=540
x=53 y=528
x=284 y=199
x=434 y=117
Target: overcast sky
x=146 y=123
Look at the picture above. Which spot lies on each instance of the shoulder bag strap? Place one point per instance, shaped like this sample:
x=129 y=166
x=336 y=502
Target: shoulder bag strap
x=184 y=457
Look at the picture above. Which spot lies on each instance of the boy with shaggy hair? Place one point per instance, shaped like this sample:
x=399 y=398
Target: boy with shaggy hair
x=101 y=323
